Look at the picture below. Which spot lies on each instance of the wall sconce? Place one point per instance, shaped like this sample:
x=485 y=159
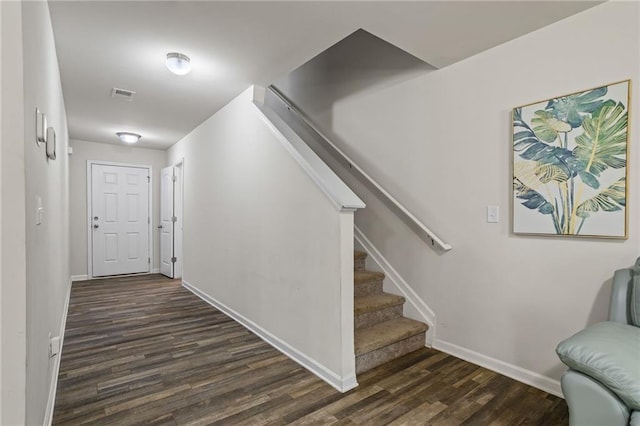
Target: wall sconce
x=41 y=127
x=51 y=143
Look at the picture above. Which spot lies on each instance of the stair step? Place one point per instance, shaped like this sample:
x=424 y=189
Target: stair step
x=357 y=254
x=369 y=360
x=386 y=333
x=361 y=277
x=375 y=302
x=370 y=319
x=376 y=308
x=367 y=282
x=381 y=332
x=359 y=260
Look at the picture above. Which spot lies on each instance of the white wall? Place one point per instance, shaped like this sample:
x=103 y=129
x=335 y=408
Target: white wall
x=47 y=244
x=263 y=240
x=12 y=225
x=441 y=144
x=1 y=58
x=84 y=151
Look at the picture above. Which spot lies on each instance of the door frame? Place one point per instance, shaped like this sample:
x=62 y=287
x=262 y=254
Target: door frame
x=178 y=207
x=90 y=163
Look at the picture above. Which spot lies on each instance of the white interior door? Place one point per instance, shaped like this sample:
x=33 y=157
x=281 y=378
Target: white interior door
x=119 y=220
x=167 y=221
x=179 y=213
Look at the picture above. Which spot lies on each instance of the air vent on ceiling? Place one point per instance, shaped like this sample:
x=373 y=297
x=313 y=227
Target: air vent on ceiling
x=127 y=95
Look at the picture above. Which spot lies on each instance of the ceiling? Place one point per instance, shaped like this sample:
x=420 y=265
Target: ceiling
x=234 y=44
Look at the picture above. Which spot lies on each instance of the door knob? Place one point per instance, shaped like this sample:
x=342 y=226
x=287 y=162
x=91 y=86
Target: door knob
x=159 y=226
x=96 y=226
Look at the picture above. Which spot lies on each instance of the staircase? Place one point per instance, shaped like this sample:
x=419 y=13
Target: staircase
x=381 y=332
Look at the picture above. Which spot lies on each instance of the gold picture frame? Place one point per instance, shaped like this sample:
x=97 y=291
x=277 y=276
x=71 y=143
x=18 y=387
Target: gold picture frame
x=570 y=168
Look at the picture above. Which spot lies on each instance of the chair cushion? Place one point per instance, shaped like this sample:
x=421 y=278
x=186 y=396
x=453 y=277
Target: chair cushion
x=609 y=352
x=634 y=301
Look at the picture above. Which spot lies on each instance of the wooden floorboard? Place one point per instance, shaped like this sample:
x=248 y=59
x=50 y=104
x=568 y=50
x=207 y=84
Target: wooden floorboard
x=143 y=350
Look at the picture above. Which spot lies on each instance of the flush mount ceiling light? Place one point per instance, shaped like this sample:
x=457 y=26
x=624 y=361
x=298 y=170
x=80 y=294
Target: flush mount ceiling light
x=127 y=137
x=178 y=63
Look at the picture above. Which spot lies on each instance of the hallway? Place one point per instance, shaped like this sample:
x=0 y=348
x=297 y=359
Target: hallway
x=143 y=350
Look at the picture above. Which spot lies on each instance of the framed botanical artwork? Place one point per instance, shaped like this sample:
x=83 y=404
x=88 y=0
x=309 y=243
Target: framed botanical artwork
x=570 y=164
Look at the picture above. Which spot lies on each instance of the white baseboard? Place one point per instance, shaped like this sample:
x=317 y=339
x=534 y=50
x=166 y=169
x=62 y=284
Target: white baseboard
x=48 y=414
x=426 y=313
x=517 y=373
x=342 y=384
x=84 y=277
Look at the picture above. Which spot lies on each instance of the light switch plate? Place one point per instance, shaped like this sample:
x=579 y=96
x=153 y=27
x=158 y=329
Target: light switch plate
x=39 y=210
x=493 y=214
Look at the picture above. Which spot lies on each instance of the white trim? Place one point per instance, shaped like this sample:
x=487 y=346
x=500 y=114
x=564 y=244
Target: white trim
x=79 y=277
x=342 y=384
x=178 y=242
x=75 y=278
x=53 y=387
x=426 y=313
x=342 y=197
x=517 y=373
x=306 y=120
x=89 y=222
x=259 y=93
x=162 y=225
x=178 y=213
x=347 y=332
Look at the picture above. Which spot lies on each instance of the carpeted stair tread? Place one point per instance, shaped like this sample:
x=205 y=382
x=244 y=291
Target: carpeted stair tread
x=375 y=302
x=360 y=277
x=386 y=333
x=359 y=254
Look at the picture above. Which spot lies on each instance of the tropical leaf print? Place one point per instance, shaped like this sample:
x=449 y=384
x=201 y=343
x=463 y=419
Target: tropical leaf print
x=547 y=127
x=573 y=109
x=565 y=151
x=609 y=200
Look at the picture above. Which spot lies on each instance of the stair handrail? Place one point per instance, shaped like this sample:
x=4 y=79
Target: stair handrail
x=428 y=232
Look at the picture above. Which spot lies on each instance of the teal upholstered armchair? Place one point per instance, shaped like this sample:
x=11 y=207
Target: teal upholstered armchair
x=602 y=385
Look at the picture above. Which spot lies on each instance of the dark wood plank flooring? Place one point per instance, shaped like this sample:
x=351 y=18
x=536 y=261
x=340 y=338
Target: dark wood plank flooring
x=143 y=350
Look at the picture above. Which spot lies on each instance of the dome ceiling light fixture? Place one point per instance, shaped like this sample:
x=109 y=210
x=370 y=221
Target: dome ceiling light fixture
x=128 y=137
x=178 y=63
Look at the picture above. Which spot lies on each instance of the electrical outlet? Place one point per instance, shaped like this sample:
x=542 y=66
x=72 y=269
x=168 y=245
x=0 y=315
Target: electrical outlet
x=54 y=345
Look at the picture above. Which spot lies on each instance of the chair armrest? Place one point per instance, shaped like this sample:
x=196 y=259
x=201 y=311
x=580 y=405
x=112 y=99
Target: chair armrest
x=619 y=303
x=609 y=352
x=590 y=403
